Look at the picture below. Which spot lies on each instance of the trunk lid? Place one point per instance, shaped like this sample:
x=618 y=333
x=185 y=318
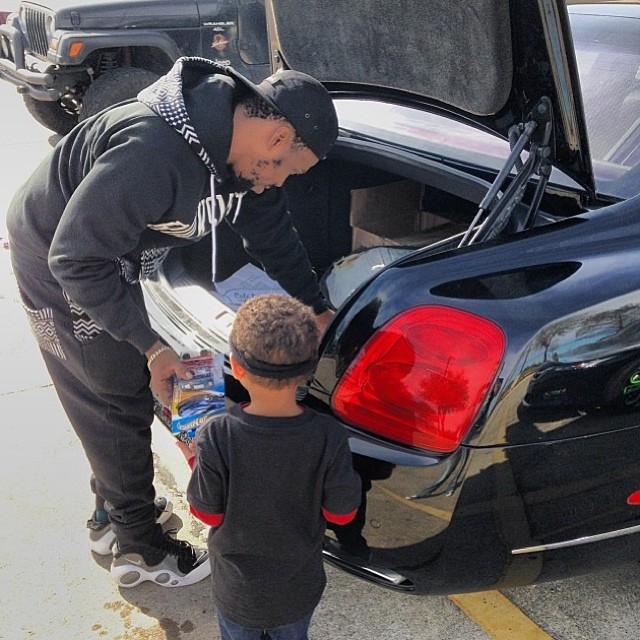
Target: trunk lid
x=487 y=62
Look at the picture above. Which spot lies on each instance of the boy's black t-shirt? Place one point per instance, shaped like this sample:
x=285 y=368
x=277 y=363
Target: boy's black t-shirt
x=271 y=477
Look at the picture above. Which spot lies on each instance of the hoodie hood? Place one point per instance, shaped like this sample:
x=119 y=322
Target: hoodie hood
x=196 y=98
x=184 y=98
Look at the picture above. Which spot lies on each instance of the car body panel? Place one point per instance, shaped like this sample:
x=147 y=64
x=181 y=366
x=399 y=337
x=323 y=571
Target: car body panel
x=544 y=475
x=125 y=14
x=597 y=322
x=426 y=527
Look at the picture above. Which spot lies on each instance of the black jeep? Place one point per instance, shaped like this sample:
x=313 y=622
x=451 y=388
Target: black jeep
x=70 y=59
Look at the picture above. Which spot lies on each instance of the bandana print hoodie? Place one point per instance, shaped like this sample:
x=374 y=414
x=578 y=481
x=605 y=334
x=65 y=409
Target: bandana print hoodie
x=124 y=187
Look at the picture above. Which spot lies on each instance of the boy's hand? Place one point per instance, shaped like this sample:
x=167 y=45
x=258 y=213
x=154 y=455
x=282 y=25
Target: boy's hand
x=164 y=363
x=188 y=450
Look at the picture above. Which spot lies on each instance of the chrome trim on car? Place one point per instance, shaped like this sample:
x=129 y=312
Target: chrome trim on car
x=182 y=329
x=365 y=569
x=577 y=541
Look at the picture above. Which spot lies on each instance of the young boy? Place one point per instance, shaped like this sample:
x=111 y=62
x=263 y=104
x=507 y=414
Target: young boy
x=267 y=478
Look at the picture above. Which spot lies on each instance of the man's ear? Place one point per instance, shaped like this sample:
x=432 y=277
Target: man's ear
x=237 y=369
x=281 y=137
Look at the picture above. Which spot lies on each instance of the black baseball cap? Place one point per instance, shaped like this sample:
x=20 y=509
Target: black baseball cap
x=305 y=104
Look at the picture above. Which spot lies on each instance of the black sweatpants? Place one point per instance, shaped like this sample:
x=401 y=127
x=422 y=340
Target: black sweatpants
x=103 y=385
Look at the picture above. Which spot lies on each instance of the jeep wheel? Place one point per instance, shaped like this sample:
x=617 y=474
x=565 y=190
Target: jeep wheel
x=50 y=115
x=112 y=87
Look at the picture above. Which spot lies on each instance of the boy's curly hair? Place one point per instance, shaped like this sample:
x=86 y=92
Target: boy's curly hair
x=276 y=329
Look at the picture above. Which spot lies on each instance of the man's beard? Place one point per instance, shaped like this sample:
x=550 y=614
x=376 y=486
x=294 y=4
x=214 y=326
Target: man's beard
x=237 y=183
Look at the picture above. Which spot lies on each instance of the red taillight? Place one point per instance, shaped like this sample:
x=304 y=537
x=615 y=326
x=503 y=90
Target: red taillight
x=421 y=379
x=634 y=498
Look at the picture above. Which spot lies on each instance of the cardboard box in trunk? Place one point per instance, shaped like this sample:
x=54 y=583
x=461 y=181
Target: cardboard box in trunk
x=392 y=215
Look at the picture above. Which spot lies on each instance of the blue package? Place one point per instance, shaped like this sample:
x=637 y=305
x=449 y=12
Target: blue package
x=198 y=399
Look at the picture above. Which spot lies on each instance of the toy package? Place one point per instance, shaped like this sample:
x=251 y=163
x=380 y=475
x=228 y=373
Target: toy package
x=196 y=400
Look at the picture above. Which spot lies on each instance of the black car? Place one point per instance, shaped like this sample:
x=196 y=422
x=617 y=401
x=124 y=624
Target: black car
x=477 y=228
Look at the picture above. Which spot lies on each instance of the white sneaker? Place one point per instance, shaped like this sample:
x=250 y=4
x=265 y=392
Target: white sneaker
x=181 y=566
x=102 y=536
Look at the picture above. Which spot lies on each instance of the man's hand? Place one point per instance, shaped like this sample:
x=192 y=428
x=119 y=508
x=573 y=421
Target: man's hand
x=164 y=363
x=323 y=319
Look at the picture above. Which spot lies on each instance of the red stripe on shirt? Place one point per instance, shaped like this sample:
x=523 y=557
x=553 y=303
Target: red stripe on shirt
x=212 y=519
x=336 y=518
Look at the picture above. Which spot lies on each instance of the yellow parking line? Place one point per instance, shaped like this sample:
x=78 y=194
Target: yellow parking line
x=492 y=611
x=498 y=616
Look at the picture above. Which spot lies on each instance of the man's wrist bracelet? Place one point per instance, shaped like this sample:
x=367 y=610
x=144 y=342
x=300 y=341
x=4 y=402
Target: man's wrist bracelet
x=156 y=353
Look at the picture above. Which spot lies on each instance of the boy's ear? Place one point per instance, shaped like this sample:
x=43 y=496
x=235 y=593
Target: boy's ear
x=237 y=369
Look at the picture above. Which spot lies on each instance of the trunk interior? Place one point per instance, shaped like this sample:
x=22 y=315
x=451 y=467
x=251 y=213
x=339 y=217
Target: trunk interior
x=353 y=201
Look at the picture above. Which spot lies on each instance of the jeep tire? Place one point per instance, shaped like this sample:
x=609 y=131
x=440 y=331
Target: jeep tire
x=111 y=87
x=51 y=115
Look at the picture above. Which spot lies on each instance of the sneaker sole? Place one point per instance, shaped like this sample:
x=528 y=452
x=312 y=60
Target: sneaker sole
x=128 y=576
x=104 y=545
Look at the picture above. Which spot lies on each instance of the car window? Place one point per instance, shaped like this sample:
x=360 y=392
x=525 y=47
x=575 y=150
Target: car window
x=430 y=133
x=413 y=128
x=607 y=45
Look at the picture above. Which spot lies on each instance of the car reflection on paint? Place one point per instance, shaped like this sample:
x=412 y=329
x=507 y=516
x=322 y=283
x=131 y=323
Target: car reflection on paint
x=604 y=383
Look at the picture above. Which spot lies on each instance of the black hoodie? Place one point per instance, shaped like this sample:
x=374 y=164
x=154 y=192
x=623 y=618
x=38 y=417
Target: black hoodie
x=130 y=183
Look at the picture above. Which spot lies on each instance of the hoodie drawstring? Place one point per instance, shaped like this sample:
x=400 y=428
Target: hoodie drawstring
x=212 y=188
x=235 y=215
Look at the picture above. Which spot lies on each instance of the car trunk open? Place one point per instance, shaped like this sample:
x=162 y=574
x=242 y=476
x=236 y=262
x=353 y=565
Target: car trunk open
x=366 y=194
x=399 y=200
x=362 y=196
